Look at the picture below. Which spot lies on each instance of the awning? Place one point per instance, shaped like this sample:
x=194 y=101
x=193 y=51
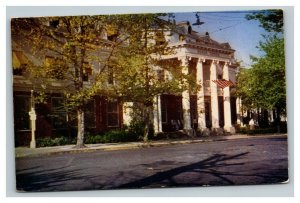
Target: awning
x=222 y=83
x=18 y=59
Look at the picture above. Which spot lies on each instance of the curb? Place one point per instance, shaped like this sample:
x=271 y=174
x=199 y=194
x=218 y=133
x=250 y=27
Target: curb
x=71 y=150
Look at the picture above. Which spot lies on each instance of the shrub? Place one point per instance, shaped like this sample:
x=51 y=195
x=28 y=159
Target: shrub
x=58 y=141
x=136 y=128
x=246 y=130
x=112 y=136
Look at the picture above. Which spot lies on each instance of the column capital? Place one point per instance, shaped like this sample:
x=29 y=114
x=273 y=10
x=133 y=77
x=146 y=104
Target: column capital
x=184 y=58
x=215 y=61
x=201 y=60
x=227 y=63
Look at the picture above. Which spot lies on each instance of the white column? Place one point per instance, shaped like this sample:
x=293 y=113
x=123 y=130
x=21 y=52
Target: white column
x=271 y=117
x=186 y=99
x=127 y=111
x=32 y=116
x=239 y=111
x=214 y=95
x=157 y=114
x=226 y=98
x=200 y=95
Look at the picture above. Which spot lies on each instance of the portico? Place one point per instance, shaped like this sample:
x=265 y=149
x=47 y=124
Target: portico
x=213 y=106
x=213 y=103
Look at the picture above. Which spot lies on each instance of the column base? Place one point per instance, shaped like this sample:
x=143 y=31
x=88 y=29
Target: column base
x=190 y=132
x=204 y=132
x=32 y=144
x=230 y=129
x=217 y=132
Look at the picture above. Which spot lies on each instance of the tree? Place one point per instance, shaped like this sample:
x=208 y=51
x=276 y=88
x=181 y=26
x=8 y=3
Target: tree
x=270 y=20
x=138 y=68
x=65 y=49
x=264 y=84
x=70 y=46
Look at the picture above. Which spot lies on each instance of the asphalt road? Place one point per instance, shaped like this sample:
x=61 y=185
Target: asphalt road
x=232 y=162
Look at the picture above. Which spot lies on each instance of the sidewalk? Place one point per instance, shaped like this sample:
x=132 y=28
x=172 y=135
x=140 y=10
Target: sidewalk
x=28 y=152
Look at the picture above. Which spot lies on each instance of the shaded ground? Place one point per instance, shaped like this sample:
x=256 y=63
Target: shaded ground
x=232 y=162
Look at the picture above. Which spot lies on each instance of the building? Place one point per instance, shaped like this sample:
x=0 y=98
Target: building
x=214 y=67
x=212 y=107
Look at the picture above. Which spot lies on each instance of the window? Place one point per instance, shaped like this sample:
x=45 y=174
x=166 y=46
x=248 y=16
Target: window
x=21 y=110
x=89 y=114
x=181 y=38
x=220 y=76
x=58 y=114
x=112 y=38
x=160 y=38
x=112 y=33
x=163 y=111
x=54 y=23
x=19 y=71
x=179 y=111
x=112 y=114
x=193 y=109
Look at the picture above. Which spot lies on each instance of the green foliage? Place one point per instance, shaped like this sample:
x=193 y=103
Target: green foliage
x=58 y=141
x=258 y=131
x=270 y=20
x=138 y=68
x=112 y=136
x=73 y=45
x=264 y=85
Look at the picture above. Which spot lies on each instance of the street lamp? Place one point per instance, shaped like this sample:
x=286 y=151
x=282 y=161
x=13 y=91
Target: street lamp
x=198 y=21
x=32 y=116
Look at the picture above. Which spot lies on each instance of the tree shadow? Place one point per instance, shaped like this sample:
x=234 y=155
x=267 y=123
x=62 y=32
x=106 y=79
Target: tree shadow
x=49 y=180
x=167 y=177
x=219 y=169
x=214 y=170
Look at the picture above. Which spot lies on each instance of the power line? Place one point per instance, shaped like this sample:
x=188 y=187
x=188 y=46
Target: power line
x=222 y=16
x=224 y=28
x=220 y=19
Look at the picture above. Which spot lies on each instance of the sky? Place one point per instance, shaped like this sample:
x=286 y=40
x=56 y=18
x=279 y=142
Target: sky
x=232 y=27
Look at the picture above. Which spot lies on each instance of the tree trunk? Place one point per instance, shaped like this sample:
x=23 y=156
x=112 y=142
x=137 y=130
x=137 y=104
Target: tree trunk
x=277 y=121
x=80 y=131
x=146 y=128
x=148 y=123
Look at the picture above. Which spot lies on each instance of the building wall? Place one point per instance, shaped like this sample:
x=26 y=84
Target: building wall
x=54 y=121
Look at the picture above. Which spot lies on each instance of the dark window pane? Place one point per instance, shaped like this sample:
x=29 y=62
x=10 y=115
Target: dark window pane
x=112 y=107
x=89 y=112
x=112 y=114
x=58 y=113
x=112 y=120
x=163 y=111
x=21 y=109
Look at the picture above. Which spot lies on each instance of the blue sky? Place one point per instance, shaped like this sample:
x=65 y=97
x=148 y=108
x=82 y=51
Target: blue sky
x=243 y=35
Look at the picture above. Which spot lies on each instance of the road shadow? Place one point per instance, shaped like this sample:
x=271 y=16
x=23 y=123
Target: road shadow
x=216 y=170
x=50 y=180
x=211 y=171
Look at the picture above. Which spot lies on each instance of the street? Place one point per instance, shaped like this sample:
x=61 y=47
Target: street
x=232 y=162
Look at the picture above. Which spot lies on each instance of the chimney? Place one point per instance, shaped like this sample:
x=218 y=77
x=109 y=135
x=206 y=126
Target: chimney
x=189 y=27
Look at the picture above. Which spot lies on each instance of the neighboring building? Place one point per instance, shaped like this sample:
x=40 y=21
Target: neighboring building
x=214 y=106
